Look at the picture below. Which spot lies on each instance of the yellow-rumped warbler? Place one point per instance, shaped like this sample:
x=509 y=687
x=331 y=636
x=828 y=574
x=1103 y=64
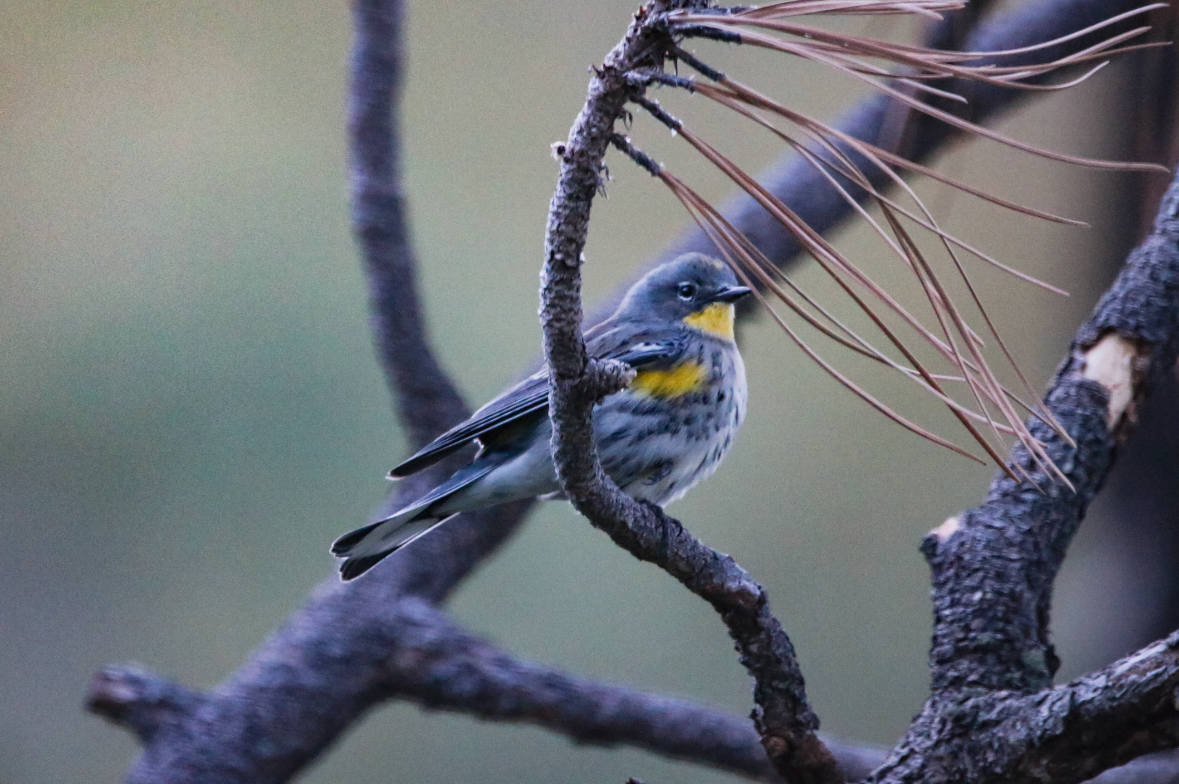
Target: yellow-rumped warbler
x=656 y=439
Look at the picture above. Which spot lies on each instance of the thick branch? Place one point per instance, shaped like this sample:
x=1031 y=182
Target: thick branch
x=992 y=716
x=994 y=566
x=299 y=681
x=1064 y=735
x=1104 y=719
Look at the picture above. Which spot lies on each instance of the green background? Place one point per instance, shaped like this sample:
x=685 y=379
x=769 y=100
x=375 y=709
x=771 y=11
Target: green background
x=190 y=410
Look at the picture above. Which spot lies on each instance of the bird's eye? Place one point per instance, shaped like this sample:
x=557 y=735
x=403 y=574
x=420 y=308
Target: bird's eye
x=687 y=291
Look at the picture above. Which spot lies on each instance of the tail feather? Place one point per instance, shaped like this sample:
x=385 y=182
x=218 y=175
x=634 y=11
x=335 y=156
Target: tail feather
x=343 y=546
x=354 y=567
x=365 y=547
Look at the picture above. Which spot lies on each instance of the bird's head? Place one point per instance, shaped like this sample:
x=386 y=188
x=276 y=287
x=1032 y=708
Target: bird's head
x=694 y=289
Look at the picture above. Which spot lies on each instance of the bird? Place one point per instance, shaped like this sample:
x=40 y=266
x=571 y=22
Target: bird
x=657 y=438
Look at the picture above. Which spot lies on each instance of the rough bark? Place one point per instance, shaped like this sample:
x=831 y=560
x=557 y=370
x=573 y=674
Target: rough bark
x=783 y=717
x=992 y=716
x=1063 y=735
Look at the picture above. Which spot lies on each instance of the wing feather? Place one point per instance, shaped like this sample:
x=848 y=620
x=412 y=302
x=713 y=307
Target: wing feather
x=526 y=400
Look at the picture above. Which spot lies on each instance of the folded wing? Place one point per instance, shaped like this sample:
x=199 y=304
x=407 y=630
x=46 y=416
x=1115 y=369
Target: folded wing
x=527 y=401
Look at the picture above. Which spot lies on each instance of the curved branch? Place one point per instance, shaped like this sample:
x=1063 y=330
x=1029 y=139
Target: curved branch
x=427 y=400
x=783 y=717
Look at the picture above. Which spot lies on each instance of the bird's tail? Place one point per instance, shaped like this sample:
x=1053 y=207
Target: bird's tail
x=365 y=547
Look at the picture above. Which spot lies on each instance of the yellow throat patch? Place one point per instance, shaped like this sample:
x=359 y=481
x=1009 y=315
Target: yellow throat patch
x=683 y=379
x=715 y=319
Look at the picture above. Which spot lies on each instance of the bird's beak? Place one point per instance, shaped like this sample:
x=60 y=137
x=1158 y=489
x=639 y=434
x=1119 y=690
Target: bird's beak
x=730 y=294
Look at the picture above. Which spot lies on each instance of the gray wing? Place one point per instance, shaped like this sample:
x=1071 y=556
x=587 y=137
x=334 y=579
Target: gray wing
x=527 y=401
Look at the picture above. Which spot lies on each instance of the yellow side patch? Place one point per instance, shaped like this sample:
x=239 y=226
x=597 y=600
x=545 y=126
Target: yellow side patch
x=715 y=319
x=682 y=379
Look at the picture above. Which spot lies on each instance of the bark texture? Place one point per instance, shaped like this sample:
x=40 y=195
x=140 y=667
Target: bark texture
x=992 y=715
x=782 y=715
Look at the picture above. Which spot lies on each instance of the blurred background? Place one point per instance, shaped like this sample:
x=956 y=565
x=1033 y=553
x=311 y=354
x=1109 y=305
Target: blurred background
x=190 y=410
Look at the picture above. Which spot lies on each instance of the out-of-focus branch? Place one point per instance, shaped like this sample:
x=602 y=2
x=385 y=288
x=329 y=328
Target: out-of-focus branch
x=415 y=653
x=1159 y=768
x=426 y=399
x=992 y=716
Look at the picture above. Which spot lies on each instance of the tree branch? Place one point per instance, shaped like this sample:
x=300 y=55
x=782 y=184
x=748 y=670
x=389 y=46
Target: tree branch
x=1064 y=735
x=783 y=717
x=418 y=653
x=992 y=716
x=1103 y=719
x=994 y=566
x=303 y=688
x=427 y=400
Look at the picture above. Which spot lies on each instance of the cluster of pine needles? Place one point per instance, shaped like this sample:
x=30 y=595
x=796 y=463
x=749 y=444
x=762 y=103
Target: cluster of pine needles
x=908 y=75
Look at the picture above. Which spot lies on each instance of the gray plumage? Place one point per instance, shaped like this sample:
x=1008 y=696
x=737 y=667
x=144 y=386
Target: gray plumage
x=656 y=439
